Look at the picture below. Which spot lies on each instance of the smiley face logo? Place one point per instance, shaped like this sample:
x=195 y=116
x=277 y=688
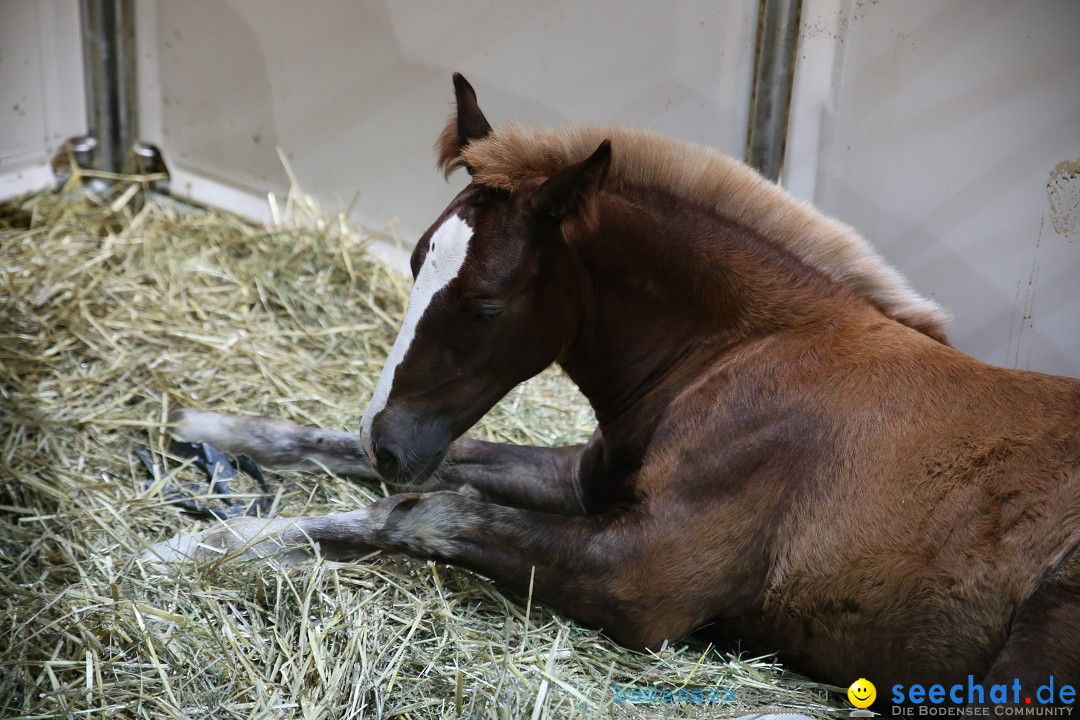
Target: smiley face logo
x=862 y=693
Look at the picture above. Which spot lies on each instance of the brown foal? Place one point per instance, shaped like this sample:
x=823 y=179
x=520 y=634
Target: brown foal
x=789 y=456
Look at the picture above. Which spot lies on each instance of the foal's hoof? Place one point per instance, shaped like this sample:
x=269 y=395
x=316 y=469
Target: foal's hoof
x=238 y=538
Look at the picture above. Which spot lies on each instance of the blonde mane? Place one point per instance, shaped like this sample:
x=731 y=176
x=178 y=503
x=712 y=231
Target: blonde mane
x=515 y=153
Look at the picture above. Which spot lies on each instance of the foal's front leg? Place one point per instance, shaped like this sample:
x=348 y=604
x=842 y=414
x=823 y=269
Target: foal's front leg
x=285 y=540
x=275 y=443
x=603 y=571
x=547 y=479
x=606 y=571
x=555 y=480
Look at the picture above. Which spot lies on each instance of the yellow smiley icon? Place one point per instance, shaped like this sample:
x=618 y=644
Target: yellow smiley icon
x=862 y=693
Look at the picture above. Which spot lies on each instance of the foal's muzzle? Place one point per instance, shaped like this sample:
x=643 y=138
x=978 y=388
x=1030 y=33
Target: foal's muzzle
x=404 y=450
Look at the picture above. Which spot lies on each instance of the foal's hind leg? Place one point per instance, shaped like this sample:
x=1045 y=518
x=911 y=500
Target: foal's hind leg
x=547 y=479
x=1044 y=639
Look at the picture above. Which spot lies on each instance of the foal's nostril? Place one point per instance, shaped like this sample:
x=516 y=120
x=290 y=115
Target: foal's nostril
x=386 y=462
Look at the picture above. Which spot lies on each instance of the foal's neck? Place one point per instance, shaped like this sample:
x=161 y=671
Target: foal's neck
x=674 y=288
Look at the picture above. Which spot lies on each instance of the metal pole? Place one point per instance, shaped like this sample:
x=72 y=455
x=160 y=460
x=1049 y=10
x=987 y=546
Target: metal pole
x=774 y=70
x=108 y=32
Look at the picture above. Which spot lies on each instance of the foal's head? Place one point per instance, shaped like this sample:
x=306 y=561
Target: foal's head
x=493 y=303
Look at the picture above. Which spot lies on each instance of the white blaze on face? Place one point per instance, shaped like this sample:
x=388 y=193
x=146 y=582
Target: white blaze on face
x=446 y=254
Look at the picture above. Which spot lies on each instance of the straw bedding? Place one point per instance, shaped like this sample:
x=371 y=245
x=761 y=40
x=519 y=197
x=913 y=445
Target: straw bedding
x=114 y=311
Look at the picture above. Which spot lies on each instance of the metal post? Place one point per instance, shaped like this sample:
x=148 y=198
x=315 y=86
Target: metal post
x=770 y=99
x=108 y=32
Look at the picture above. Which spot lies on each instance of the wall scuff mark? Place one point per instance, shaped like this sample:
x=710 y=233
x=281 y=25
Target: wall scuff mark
x=1063 y=192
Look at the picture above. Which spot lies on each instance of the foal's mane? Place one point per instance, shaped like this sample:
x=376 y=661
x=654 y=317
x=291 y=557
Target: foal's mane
x=516 y=153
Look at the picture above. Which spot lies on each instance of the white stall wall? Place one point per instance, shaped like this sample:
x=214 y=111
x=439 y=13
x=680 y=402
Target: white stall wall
x=41 y=89
x=948 y=133
x=355 y=93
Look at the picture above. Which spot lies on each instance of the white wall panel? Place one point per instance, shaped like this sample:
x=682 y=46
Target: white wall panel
x=940 y=130
x=41 y=89
x=356 y=92
x=947 y=132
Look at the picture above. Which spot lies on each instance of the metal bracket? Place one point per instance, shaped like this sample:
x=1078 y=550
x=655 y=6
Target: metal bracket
x=774 y=75
x=108 y=34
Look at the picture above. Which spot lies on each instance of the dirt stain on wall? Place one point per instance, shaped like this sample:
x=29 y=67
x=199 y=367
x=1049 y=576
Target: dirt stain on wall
x=1063 y=192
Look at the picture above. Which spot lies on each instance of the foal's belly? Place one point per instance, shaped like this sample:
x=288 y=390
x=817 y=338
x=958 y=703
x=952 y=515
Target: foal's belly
x=887 y=638
x=925 y=601
x=908 y=534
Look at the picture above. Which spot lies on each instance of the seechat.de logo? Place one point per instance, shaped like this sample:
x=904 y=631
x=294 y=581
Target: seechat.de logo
x=972 y=698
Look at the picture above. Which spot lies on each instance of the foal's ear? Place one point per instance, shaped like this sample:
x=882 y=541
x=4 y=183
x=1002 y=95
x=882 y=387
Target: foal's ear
x=568 y=191
x=471 y=123
x=465 y=124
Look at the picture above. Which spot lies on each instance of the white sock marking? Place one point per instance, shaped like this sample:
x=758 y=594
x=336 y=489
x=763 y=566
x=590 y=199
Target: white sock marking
x=446 y=255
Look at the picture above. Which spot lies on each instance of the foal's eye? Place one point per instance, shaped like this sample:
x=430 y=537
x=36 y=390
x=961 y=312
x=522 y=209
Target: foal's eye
x=482 y=309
